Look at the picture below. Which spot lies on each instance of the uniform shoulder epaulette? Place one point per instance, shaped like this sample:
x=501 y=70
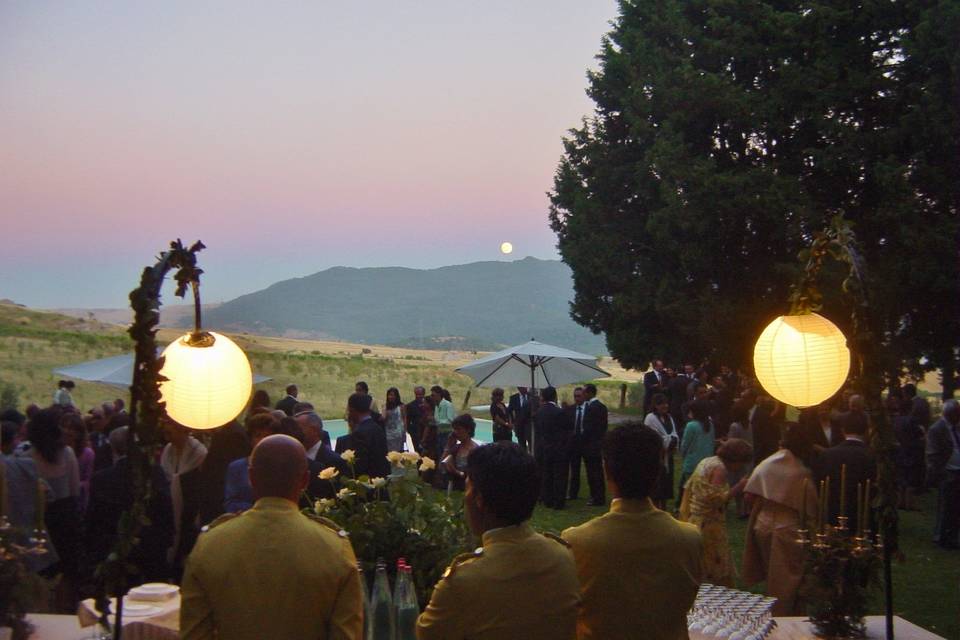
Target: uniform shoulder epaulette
x=329 y=524
x=219 y=520
x=462 y=558
x=556 y=538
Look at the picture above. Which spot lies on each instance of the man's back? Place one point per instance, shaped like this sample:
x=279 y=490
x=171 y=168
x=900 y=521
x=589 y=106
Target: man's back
x=271 y=572
x=861 y=466
x=521 y=585
x=639 y=572
x=370 y=443
x=552 y=432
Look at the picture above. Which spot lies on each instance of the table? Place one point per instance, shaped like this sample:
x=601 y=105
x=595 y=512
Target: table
x=62 y=627
x=800 y=629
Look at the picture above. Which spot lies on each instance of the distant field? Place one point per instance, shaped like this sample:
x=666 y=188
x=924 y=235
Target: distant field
x=33 y=343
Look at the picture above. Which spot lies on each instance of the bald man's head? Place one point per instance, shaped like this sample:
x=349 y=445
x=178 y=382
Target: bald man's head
x=278 y=468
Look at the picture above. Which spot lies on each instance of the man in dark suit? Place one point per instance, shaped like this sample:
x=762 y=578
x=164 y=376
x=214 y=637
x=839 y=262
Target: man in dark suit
x=111 y=494
x=678 y=396
x=417 y=413
x=943 y=472
x=314 y=435
x=766 y=431
x=551 y=448
x=594 y=428
x=855 y=454
x=574 y=415
x=821 y=429
x=520 y=408
x=368 y=439
x=654 y=381
x=288 y=402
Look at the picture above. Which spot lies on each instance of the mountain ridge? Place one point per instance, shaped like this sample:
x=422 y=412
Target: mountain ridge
x=486 y=305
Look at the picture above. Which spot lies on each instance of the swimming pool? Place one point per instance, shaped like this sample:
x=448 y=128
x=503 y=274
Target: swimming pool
x=338 y=427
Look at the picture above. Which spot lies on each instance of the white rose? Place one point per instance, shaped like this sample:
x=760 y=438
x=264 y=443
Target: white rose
x=394 y=457
x=348 y=455
x=344 y=493
x=323 y=505
x=411 y=457
x=378 y=482
x=329 y=473
x=426 y=464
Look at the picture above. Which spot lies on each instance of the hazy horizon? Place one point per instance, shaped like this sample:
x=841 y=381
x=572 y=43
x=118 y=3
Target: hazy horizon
x=289 y=138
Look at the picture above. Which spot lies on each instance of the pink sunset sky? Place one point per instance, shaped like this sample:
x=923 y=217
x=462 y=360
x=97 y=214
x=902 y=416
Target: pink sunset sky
x=289 y=137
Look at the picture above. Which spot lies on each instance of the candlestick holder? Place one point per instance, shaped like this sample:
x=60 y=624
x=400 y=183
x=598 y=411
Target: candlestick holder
x=803 y=537
x=841 y=567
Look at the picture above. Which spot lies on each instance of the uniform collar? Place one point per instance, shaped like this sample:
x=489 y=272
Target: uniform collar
x=506 y=534
x=629 y=505
x=275 y=504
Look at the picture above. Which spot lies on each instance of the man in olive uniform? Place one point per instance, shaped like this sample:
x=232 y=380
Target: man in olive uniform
x=519 y=584
x=639 y=568
x=272 y=572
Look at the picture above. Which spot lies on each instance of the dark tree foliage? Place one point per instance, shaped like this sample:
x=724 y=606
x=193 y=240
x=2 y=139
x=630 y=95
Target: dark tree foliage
x=725 y=133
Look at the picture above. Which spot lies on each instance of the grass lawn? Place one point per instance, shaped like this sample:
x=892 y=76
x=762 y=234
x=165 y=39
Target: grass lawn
x=926 y=584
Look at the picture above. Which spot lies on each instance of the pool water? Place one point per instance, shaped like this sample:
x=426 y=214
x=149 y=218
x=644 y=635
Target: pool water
x=338 y=427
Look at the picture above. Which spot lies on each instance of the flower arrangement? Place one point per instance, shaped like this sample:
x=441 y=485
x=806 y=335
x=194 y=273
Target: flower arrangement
x=417 y=522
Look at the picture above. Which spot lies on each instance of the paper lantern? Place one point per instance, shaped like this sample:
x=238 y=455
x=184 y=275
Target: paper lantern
x=801 y=360
x=207 y=386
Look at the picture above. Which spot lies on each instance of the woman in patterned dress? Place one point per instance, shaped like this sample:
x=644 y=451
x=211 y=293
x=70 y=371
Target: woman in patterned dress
x=704 y=504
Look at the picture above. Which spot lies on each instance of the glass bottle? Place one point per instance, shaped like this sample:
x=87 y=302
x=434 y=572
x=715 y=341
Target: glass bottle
x=381 y=607
x=408 y=609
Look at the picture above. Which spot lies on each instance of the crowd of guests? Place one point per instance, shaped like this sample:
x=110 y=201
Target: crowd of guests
x=733 y=443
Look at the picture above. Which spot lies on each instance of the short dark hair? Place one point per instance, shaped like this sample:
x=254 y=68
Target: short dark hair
x=590 y=388
x=290 y=427
x=359 y=402
x=735 y=450
x=658 y=398
x=910 y=390
x=363 y=385
x=466 y=421
x=260 y=422
x=507 y=478
x=436 y=389
x=8 y=431
x=548 y=394
x=797 y=441
x=300 y=407
x=854 y=422
x=631 y=458
x=291 y=389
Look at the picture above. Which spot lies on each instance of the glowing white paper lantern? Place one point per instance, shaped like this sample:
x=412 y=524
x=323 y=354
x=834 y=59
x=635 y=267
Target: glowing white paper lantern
x=801 y=360
x=207 y=386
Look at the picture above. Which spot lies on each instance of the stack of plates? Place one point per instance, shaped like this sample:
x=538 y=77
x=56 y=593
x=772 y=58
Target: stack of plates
x=153 y=591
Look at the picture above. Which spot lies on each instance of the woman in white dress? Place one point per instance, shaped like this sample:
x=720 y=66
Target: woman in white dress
x=662 y=422
x=394 y=419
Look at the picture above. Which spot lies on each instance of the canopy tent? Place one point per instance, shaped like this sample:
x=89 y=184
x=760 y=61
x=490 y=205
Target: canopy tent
x=534 y=365
x=116 y=371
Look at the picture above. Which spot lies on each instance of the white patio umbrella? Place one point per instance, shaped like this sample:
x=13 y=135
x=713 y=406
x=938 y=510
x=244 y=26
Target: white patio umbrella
x=116 y=371
x=534 y=365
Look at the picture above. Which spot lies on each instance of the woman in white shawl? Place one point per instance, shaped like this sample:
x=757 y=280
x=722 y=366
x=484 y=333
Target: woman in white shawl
x=183 y=454
x=660 y=420
x=777 y=491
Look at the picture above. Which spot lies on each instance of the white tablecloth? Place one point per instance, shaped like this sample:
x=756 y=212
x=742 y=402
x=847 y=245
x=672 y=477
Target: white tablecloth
x=162 y=625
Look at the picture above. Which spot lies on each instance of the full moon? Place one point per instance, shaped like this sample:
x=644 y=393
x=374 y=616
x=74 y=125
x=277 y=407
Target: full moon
x=506 y=248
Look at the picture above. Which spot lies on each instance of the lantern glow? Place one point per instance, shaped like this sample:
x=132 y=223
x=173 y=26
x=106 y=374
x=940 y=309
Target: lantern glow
x=801 y=360
x=206 y=386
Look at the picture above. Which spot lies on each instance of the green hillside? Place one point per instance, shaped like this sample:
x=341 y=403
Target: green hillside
x=486 y=305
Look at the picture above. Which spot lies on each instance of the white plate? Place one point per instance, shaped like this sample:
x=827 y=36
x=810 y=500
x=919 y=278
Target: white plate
x=138 y=610
x=154 y=591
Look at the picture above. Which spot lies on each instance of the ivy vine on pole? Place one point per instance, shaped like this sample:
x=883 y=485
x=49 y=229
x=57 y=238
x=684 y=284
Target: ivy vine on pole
x=146 y=409
x=839 y=242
